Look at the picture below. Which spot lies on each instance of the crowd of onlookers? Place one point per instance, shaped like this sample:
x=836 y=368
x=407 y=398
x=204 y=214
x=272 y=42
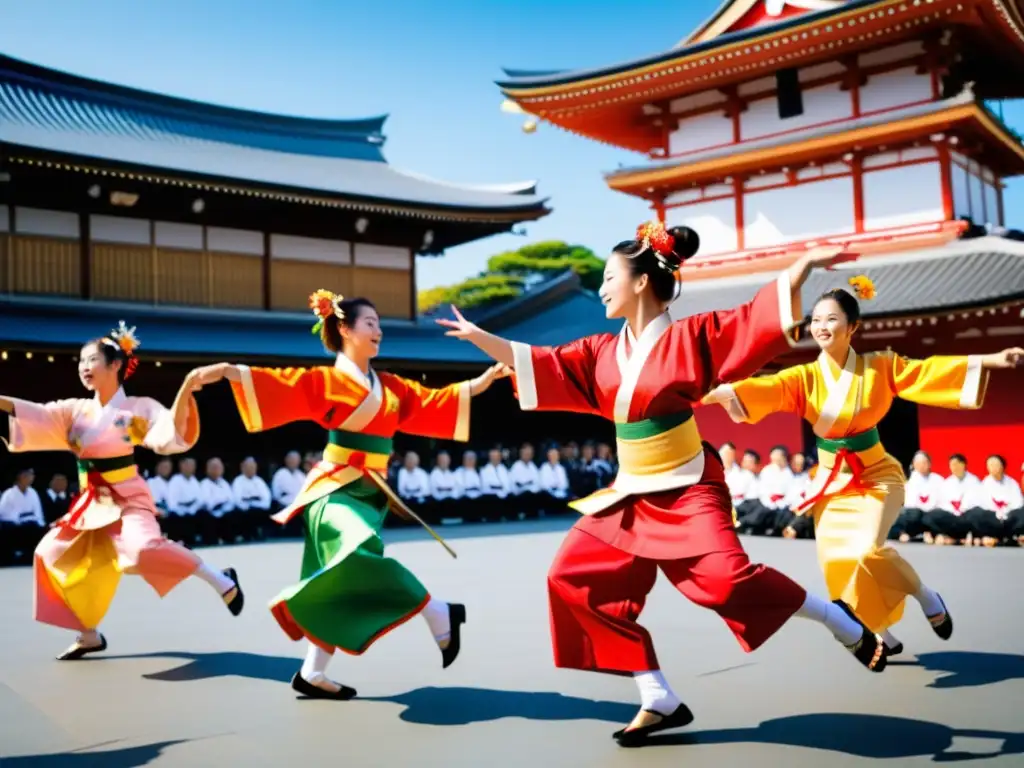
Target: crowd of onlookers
x=958 y=509
x=497 y=486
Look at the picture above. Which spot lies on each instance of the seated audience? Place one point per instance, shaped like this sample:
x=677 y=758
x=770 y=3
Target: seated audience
x=923 y=490
x=741 y=482
x=57 y=499
x=413 y=485
x=496 y=487
x=998 y=505
x=22 y=523
x=160 y=483
x=471 y=488
x=217 y=519
x=554 y=483
x=444 y=489
x=184 y=500
x=958 y=493
x=525 y=480
x=252 y=501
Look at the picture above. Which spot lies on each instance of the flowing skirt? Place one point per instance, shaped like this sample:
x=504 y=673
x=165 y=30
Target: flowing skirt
x=77 y=572
x=850 y=531
x=349 y=593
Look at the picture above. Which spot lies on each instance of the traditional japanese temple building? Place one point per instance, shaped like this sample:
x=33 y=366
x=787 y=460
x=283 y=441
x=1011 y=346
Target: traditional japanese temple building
x=778 y=125
x=208 y=228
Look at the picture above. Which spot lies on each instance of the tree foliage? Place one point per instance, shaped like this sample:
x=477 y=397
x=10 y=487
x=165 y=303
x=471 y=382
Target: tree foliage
x=508 y=273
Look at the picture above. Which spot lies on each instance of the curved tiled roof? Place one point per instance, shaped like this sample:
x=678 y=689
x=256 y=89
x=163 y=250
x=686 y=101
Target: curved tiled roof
x=42 y=109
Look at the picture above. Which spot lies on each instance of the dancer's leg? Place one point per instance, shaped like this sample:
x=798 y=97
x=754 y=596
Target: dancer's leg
x=312 y=680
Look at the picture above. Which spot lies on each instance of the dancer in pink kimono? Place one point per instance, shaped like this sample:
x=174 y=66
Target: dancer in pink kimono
x=111 y=527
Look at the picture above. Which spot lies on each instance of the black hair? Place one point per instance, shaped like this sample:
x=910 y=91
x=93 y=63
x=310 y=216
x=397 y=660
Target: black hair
x=999 y=458
x=847 y=303
x=728 y=444
x=784 y=449
x=330 y=331
x=660 y=268
x=112 y=352
x=754 y=454
x=959 y=457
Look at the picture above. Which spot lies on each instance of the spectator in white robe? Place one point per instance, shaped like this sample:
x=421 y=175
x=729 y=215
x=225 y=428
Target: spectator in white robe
x=184 y=500
x=999 y=502
x=525 y=480
x=742 y=482
x=252 y=500
x=798 y=526
x=22 y=523
x=160 y=483
x=444 y=490
x=922 y=493
x=497 y=486
x=288 y=480
x=554 y=483
x=216 y=519
x=471 y=487
x=773 y=485
x=414 y=485
x=948 y=523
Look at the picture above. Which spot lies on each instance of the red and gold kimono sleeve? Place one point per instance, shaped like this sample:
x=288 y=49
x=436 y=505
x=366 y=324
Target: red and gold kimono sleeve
x=439 y=413
x=270 y=397
x=558 y=378
x=739 y=342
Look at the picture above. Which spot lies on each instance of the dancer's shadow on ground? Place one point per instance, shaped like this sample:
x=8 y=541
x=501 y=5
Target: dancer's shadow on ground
x=463 y=706
x=967 y=669
x=129 y=757
x=870 y=736
x=203 y=666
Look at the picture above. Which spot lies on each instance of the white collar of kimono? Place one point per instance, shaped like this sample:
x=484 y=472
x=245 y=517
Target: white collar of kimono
x=105 y=416
x=117 y=401
x=632 y=363
x=838 y=390
x=370 y=405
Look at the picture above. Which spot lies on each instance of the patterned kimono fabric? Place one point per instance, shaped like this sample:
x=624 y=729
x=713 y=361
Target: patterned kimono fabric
x=111 y=528
x=349 y=593
x=858 y=492
x=669 y=508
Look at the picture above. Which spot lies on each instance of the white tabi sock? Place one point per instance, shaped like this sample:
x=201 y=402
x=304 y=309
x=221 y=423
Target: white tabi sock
x=890 y=639
x=314 y=669
x=439 y=621
x=929 y=600
x=843 y=628
x=215 y=579
x=89 y=639
x=655 y=692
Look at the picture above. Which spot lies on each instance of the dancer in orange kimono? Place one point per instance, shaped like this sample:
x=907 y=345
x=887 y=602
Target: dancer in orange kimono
x=859 y=489
x=669 y=508
x=111 y=527
x=350 y=594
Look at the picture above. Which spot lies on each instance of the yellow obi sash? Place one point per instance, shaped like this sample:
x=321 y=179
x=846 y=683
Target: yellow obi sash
x=349 y=456
x=94 y=507
x=855 y=453
x=111 y=471
x=655 y=455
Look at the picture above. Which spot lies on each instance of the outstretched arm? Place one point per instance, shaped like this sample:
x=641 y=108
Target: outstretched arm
x=495 y=347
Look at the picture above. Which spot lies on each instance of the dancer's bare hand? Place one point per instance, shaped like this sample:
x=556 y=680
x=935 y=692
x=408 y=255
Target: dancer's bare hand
x=460 y=327
x=1008 y=358
x=483 y=382
x=827 y=256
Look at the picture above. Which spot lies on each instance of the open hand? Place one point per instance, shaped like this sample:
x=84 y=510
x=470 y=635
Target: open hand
x=827 y=256
x=460 y=327
x=483 y=382
x=1008 y=358
x=201 y=377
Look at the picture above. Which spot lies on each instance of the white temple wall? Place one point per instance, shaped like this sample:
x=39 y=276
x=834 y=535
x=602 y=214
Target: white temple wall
x=714 y=220
x=900 y=197
x=822 y=104
x=899 y=88
x=777 y=216
x=710 y=129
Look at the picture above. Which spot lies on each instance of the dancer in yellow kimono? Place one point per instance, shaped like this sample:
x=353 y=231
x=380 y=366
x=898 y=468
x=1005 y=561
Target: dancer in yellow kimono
x=350 y=594
x=111 y=527
x=858 y=491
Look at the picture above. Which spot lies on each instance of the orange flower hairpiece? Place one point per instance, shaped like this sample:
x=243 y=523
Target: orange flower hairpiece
x=863 y=287
x=125 y=339
x=654 y=235
x=324 y=304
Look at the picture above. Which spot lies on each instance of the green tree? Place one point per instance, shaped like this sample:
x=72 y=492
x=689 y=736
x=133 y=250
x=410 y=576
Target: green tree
x=507 y=274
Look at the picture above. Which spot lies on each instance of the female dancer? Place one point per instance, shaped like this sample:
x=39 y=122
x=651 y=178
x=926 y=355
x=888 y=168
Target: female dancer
x=111 y=527
x=669 y=507
x=859 y=489
x=350 y=594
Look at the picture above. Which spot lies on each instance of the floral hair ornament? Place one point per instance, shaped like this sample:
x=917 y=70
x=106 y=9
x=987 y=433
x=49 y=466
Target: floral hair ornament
x=324 y=304
x=653 y=235
x=863 y=287
x=124 y=338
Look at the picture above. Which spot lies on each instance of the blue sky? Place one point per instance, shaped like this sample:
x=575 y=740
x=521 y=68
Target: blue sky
x=430 y=65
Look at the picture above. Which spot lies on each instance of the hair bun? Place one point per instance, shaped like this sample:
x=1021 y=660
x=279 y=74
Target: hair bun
x=687 y=242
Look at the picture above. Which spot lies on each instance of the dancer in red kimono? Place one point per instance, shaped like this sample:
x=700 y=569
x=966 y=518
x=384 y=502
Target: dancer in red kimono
x=669 y=508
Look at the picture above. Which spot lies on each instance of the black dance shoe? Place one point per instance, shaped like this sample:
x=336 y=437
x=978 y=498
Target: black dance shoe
x=235 y=603
x=76 y=651
x=634 y=737
x=942 y=623
x=870 y=650
x=456 y=618
x=302 y=686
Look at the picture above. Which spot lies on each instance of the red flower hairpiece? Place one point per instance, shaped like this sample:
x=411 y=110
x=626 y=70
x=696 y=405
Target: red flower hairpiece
x=654 y=235
x=124 y=338
x=324 y=304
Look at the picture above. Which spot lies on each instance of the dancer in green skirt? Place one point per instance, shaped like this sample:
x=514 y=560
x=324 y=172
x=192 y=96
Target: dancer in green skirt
x=350 y=594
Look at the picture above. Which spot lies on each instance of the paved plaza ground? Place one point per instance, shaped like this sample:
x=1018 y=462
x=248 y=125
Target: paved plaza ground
x=186 y=684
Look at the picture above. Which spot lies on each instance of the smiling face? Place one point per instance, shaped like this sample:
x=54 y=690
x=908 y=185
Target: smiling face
x=620 y=291
x=995 y=467
x=830 y=327
x=362 y=338
x=94 y=371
